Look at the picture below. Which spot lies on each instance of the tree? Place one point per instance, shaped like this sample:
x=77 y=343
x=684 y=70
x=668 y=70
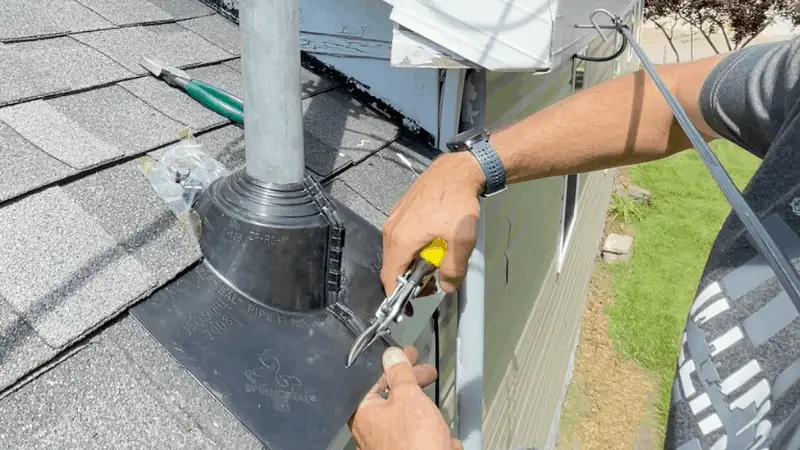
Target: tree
x=664 y=15
x=739 y=21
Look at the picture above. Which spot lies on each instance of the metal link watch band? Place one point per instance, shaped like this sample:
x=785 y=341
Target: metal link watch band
x=492 y=167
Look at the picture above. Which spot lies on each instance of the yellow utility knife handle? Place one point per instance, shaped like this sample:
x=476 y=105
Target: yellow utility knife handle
x=434 y=252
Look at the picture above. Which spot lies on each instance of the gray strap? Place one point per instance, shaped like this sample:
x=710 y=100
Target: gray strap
x=492 y=167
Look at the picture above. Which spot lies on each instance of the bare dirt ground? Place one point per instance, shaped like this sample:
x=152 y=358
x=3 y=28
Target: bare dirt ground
x=609 y=403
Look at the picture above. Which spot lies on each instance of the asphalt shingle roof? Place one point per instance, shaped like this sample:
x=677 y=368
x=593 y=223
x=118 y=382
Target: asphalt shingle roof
x=168 y=42
x=32 y=167
x=84 y=234
x=53 y=66
x=128 y=12
x=47 y=18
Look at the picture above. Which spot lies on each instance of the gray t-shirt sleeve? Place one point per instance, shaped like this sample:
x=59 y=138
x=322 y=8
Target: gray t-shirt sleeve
x=737 y=383
x=750 y=93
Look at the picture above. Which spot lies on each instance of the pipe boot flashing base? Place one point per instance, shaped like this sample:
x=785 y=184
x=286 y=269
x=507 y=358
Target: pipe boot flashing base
x=266 y=320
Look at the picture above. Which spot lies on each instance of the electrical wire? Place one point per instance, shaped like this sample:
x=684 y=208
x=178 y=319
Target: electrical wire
x=607 y=58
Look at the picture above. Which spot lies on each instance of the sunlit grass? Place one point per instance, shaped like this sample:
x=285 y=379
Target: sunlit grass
x=673 y=236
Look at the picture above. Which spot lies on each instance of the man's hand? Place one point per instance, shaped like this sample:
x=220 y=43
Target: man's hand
x=443 y=203
x=407 y=419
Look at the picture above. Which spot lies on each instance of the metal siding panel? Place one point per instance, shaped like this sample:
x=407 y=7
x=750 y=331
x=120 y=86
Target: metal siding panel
x=532 y=318
x=498 y=338
x=534 y=209
x=597 y=72
x=511 y=97
x=570 y=290
x=514 y=96
x=630 y=61
x=497 y=211
x=529 y=396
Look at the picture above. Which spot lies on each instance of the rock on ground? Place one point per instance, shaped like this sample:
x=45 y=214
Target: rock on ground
x=638 y=194
x=617 y=247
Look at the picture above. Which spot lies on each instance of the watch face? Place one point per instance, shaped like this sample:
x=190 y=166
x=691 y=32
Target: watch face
x=465 y=139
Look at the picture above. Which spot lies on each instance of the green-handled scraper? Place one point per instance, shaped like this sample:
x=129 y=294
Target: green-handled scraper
x=215 y=99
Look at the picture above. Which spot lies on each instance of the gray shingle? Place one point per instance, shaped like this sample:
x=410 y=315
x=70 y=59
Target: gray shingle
x=311 y=82
x=384 y=177
x=29 y=18
x=340 y=131
x=58 y=135
x=118 y=117
x=176 y=388
x=127 y=12
x=180 y=106
x=345 y=194
x=60 y=271
x=173 y=102
x=126 y=206
x=183 y=9
x=36 y=68
x=26 y=167
x=235 y=64
x=218 y=30
x=171 y=43
x=65 y=429
x=226 y=145
x=221 y=76
x=94 y=399
x=21 y=349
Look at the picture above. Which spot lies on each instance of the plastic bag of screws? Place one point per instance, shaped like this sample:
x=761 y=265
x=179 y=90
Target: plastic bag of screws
x=183 y=172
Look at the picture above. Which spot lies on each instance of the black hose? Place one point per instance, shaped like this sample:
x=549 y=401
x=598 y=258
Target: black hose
x=607 y=58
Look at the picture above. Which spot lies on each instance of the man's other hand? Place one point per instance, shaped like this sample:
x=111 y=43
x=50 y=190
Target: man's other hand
x=406 y=419
x=443 y=203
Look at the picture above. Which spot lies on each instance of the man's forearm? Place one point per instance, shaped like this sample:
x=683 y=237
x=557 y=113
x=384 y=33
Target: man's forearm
x=619 y=122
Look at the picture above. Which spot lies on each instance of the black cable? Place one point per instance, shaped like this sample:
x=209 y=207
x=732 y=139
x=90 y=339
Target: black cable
x=437 y=385
x=608 y=58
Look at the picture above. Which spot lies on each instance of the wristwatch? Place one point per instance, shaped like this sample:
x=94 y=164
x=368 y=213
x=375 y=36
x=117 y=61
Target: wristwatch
x=476 y=141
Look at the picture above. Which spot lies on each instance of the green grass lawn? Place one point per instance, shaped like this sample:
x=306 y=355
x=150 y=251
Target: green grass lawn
x=653 y=291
